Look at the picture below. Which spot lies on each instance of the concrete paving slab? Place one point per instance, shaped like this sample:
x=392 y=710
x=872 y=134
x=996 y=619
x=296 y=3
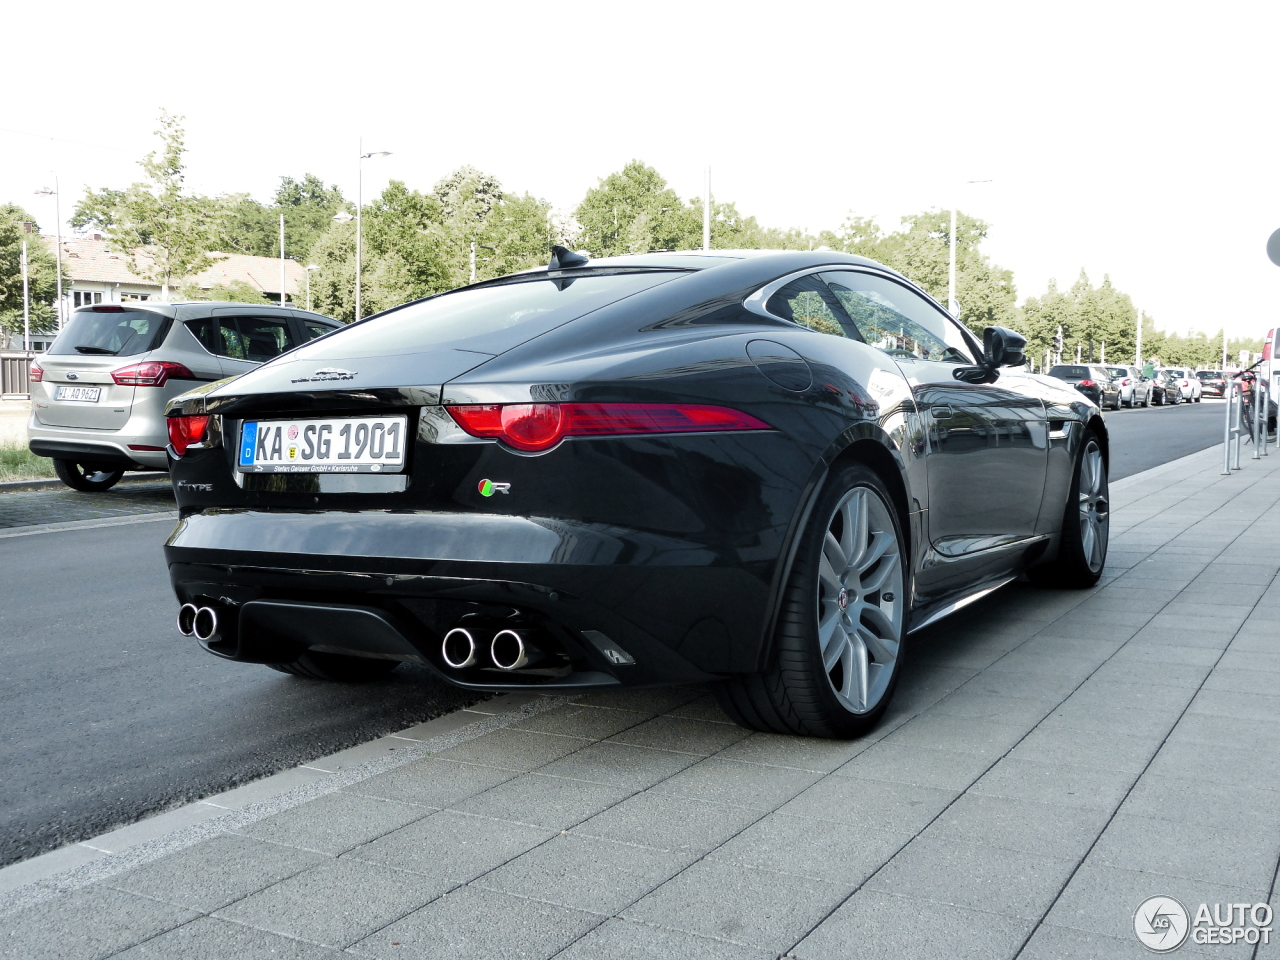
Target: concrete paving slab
x=334 y=903
x=336 y=822
x=800 y=753
x=739 y=784
x=873 y=925
x=587 y=873
x=629 y=940
x=473 y=923
x=683 y=735
x=620 y=765
x=920 y=766
x=756 y=908
x=817 y=849
x=1025 y=826
x=216 y=872
x=432 y=782
x=1201 y=851
x=207 y=938
x=669 y=822
x=87 y=925
x=1052 y=782
x=541 y=801
x=576 y=720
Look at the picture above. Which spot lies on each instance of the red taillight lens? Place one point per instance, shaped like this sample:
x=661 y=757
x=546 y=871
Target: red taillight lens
x=36 y=373
x=540 y=426
x=1086 y=383
x=1125 y=382
x=151 y=373
x=108 y=308
x=184 y=431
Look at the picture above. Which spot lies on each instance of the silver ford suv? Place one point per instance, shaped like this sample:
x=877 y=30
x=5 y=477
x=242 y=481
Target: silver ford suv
x=98 y=395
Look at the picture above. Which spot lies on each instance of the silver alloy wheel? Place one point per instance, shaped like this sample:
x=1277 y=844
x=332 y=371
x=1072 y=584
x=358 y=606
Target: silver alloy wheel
x=1095 y=519
x=860 y=600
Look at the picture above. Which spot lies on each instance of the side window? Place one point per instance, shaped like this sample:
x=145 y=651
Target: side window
x=255 y=339
x=313 y=330
x=901 y=323
x=809 y=302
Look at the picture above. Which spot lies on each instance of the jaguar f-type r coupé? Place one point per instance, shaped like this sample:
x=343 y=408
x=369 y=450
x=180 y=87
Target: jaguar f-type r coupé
x=757 y=469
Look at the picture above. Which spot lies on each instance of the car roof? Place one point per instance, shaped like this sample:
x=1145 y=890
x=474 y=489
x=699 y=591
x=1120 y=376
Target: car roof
x=769 y=261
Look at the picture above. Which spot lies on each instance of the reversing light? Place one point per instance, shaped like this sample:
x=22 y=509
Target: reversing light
x=151 y=373
x=184 y=431
x=35 y=373
x=532 y=427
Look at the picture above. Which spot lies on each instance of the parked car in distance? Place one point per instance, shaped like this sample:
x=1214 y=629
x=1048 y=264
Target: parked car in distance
x=98 y=394
x=1094 y=381
x=1188 y=383
x=1166 y=389
x=656 y=469
x=1212 y=383
x=1135 y=389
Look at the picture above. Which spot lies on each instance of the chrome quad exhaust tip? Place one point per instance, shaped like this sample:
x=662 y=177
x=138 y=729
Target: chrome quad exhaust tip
x=186 y=619
x=459 y=648
x=512 y=649
x=205 y=623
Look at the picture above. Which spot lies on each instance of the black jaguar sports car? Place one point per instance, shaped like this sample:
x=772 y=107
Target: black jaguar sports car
x=758 y=469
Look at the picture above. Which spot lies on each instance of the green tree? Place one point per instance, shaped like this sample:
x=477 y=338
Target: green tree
x=166 y=233
x=236 y=291
x=308 y=207
x=42 y=273
x=634 y=211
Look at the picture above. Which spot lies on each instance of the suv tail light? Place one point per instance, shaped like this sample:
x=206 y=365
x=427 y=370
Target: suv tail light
x=1125 y=382
x=539 y=426
x=184 y=431
x=151 y=373
x=35 y=373
x=1086 y=383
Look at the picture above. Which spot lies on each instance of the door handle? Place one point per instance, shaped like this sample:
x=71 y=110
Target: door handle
x=942 y=412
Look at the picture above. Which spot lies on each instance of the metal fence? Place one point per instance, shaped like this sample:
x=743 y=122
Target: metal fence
x=14 y=367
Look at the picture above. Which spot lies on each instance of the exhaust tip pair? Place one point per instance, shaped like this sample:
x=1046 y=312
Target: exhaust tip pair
x=198 y=622
x=509 y=649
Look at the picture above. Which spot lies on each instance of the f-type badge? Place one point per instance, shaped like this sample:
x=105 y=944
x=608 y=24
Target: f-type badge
x=326 y=374
x=488 y=488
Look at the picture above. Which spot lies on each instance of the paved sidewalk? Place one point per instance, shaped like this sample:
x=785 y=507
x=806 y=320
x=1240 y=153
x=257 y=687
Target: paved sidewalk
x=1052 y=759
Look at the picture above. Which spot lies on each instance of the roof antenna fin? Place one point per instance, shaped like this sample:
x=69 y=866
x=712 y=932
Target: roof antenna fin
x=562 y=258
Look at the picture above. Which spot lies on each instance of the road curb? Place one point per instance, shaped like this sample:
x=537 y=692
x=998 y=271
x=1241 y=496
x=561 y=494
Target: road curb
x=90 y=861
x=28 y=486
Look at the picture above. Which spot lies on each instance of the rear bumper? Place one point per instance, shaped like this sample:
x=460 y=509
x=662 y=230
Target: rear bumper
x=682 y=611
x=107 y=448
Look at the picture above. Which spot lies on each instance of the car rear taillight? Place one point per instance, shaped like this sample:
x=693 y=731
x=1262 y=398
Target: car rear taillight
x=1125 y=382
x=151 y=373
x=35 y=373
x=1086 y=383
x=1186 y=383
x=184 y=431
x=539 y=426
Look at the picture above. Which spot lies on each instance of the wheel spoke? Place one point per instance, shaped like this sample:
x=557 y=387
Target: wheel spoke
x=829 y=577
x=862 y=671
x=874 y=581
x=829 y=628
x=1088 y=538
x=875 y=617
x=834 y=554
x=856 y=528
x=837 y=646
x=884 y=650
x=880 y=544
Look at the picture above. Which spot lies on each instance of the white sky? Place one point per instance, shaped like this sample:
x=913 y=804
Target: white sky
x=1135 y=139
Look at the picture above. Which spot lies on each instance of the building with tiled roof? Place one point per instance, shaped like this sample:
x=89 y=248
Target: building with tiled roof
x=98 y=274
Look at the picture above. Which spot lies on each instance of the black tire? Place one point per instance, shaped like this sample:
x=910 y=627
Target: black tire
x=337 y=668
x=86 y=477
x=1147 y=400
x=798 y=693
x=1079 y=565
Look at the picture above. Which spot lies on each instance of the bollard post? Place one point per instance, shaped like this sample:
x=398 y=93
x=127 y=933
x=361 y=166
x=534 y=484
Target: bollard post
x=1226 y=430
x=1265 y=407
x=1253 y=427
x=1238 y=429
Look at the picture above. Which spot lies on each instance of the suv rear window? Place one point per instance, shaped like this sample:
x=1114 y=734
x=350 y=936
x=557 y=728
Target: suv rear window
x=485 y=320
x=120 y=333
x=1070 y=373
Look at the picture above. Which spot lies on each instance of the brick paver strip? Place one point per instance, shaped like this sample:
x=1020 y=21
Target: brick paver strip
x=40 y=507
x=1052 y=758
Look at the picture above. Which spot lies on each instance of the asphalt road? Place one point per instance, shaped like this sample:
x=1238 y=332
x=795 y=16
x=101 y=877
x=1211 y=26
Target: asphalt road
x=107 y=714
x=1143 y=438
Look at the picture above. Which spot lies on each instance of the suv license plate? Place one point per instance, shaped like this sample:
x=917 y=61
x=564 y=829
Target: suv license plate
x=78 y=394
x=335 y=445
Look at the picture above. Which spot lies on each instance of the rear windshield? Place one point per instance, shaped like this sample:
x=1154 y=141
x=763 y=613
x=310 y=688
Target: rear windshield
x=124 y=333
x=1210 y=374
x=1118 y=371
x=1070 y=373
x=484 y=320
x=1177 y=373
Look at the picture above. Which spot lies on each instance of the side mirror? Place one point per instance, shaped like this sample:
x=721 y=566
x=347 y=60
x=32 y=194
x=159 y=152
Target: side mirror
x=1002 y=347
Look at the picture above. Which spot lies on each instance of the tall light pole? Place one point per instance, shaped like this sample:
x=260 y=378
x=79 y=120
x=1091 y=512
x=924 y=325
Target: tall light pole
x=359 y=205
x=706 y=213
x=953 y=305
x=57 y=209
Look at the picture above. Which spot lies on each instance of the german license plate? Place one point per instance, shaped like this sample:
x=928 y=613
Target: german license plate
x=336 y=445
x=78 y=394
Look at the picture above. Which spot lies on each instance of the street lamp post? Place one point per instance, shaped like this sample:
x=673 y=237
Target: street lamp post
x=310 y=268
x=359 y=205
x=473 y=257
x=57 y=208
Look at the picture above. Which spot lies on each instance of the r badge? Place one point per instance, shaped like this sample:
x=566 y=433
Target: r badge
x=488 y=488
